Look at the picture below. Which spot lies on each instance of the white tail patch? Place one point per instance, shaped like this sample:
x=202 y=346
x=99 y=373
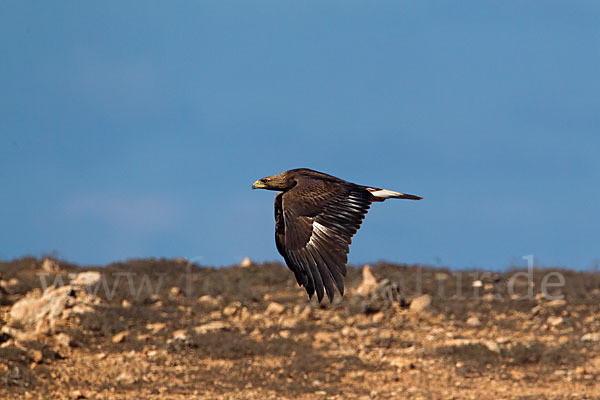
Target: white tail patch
x=384 y=193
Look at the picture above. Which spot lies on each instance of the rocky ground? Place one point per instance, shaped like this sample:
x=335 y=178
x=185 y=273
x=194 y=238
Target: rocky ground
x=166 y=329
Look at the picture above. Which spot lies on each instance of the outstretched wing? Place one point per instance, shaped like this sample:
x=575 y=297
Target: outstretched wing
x=314 y=225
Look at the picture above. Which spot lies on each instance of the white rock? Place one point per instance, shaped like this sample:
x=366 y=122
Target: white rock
x=440 y=276
x=208 y=300
x=42 y=313
x=274 y=309
x=473 y=322
x=232 y=308
x=488 y=297
x=211 y=327
x=156 y=327
x=368 y=284
x=284 y=333
x=88 y=278
x=50 y=265
x=421 y=303
x=492 y=346
x=126 y=378
x=591 y=337
x=120 y=337
x=555 y=321
x=64 y=340
x=246 y=262
x=558 y=303
x=180 y=334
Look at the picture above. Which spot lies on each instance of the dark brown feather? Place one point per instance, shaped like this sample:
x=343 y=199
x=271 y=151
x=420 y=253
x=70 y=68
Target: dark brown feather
x=316 y=216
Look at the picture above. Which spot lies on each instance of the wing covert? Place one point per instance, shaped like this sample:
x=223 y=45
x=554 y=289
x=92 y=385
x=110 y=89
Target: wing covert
x=314 y=229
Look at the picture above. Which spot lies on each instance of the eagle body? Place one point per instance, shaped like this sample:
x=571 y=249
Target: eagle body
x=316 y=215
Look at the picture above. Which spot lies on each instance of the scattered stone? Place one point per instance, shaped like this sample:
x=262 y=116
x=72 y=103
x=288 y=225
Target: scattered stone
x=157 y=304
x=563 y=339
x=420 y=304
x=175 y=291
x=289 y=323
x=503 y=340
x=558 y=303
x=126 y=378
x=18 y=335
x=36 y=355
x=12 y=282
x=42 y=314
x=209 y=301
x=306 y=313
x=245 y=314
x=274 y=309
x=152 y=353
x=232 y=308
x=284 y=333
x=400 y=362
x=540 y=296
x=77 y=395
x=64 y=340
x=84 y=279
x=368 y=284
x=180 y=334
x=156 y=327
x=560 y=372
x=555 y=321
x=211 y=327
x=256 y=334
x=155 y=298
x=536 y=310
x=120 y=337
x=51 y=266
x=473 y=322
x=323 y=337
x=142 y=337
x=126 y=303
x=517 y=375
x=492 y=346
x=246 y=262
x=477 y=283
x=377 y=317
x=591 y=337
x=488 y=297
x=440 y=276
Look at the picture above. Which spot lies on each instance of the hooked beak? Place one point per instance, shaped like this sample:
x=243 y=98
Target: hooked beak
x=257 y=185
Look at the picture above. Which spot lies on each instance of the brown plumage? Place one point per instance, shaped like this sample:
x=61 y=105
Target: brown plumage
x=316 y=216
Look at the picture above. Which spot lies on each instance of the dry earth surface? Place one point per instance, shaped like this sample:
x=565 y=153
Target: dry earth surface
x=166 y=329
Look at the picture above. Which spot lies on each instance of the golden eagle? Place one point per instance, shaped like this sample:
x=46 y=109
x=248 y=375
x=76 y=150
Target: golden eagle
x=316 y=216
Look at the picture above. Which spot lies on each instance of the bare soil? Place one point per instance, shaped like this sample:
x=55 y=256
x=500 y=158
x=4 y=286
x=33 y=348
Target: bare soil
x=165 y=329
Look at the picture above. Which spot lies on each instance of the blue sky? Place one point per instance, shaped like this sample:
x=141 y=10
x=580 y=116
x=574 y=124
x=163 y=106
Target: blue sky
x=135 y=129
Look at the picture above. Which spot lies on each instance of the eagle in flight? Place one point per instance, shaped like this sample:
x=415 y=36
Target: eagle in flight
x=316 y=216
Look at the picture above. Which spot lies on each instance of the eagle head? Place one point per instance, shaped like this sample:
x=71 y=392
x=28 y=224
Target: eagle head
x=283 y=181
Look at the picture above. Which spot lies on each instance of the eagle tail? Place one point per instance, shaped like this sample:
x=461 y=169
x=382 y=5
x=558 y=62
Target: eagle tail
x=382 y=194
